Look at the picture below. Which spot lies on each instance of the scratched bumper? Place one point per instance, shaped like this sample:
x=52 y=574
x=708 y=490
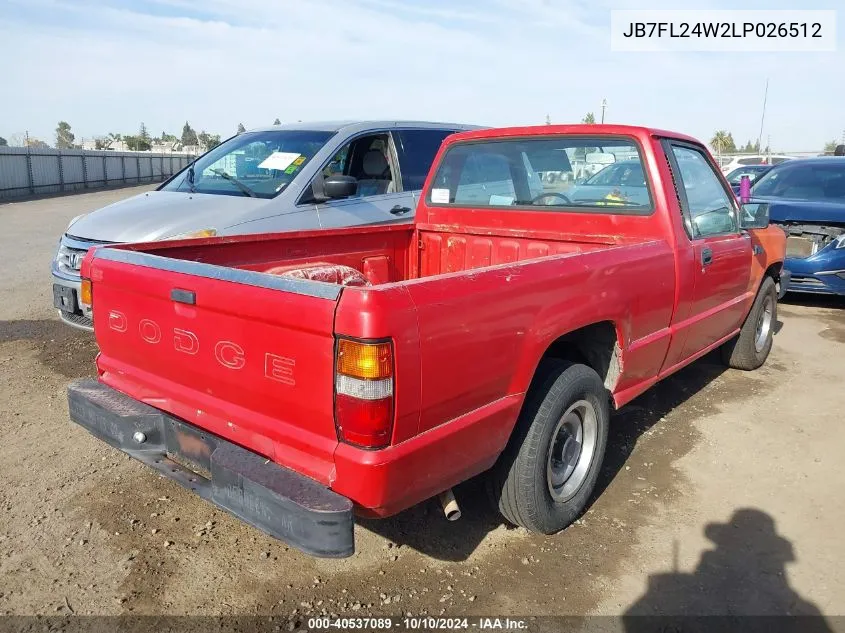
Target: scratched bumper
x=276 y=500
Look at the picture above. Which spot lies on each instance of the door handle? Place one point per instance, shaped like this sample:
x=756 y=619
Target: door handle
x=399 y=210
x=706 y=257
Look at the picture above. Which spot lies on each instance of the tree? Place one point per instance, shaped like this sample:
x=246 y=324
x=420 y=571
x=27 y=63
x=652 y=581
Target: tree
x=36 y=143
x=829 y=148
x=102 y=142
x=189 y=137
x=64 y=137
x=590 y=118
x=277 y=122
x=750 y=148
x=722 y=142
x=3 y=142
x=140 y=142
x=241 y=128
x=208 y=141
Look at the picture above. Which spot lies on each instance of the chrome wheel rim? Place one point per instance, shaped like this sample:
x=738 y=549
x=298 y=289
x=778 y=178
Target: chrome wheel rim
x=571 y=450
x=764 y=324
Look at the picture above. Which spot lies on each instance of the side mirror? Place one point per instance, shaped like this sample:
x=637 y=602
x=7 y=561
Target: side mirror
x=744 y=188
x=754 y=215
x=338 y=186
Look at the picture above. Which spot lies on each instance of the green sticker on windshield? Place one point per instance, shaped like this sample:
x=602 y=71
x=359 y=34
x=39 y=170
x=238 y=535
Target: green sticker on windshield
x=291 y=169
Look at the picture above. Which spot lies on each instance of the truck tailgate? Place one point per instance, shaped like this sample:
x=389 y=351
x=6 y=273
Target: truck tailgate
x=244 y=355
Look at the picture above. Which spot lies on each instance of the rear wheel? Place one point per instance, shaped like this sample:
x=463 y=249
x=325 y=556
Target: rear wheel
x=547 y=473
x=750 y=349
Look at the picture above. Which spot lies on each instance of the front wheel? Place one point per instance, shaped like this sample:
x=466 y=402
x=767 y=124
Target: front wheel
x=545 y=476
x=750 y=349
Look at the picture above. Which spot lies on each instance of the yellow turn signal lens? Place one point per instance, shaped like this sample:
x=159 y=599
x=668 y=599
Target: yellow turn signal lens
x=372 y=361
x=85 y=292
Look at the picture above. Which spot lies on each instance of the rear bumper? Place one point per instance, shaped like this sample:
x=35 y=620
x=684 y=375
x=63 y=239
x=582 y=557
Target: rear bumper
x=276 y=500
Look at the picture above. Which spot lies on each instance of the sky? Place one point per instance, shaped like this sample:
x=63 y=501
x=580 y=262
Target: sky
x=108 y=65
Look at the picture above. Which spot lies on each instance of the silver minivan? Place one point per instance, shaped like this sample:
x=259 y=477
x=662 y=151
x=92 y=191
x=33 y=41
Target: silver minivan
x=281 y=178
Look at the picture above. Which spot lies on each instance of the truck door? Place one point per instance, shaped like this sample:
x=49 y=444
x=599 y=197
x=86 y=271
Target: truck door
x=722 y=254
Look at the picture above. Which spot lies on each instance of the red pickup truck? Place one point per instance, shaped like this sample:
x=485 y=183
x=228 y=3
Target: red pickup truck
x=298 y=379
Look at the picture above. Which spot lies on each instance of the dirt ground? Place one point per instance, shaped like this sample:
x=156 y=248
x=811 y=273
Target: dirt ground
x=722 y=494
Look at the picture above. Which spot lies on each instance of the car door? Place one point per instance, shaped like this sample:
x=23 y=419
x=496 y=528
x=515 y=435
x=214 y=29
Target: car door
x=722 y=253
x=380 y=198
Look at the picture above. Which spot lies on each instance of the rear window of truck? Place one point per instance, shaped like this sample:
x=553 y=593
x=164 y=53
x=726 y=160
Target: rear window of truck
x=558 y=173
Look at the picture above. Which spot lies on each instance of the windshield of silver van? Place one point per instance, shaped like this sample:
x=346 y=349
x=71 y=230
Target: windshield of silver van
x=254 y=164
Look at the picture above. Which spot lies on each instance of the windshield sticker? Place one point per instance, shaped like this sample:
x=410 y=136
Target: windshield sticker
x=299 y=161
x=278 y=160
x=291 y=169
x=440 y=196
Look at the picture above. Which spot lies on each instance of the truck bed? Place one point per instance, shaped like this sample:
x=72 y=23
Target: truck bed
x=384 y=254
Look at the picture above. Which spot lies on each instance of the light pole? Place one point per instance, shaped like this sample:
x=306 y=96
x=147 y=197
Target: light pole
x=603 y=107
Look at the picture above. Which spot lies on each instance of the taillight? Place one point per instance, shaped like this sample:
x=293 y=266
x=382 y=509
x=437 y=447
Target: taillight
x=364 y=393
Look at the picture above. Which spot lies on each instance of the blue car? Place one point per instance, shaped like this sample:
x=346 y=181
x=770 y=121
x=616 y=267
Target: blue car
x=807 y=200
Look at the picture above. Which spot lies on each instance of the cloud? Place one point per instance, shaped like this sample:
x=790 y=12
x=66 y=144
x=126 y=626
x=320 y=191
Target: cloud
x=107 y=66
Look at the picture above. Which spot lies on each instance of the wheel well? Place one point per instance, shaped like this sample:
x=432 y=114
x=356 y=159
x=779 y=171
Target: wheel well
x=594 y=345
x=773 y=271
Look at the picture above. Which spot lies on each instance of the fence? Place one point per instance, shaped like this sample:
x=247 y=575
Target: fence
x=28 y=172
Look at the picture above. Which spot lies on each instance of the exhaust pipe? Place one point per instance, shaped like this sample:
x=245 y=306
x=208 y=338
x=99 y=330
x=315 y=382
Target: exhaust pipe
x=450 y=505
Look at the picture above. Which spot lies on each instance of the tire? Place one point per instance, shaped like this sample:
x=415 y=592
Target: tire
x=750 y=349
x=527 y=486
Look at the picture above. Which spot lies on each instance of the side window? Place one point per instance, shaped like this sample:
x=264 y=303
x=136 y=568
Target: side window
x=416 y=150
x=710 y=209
x=338 y=163
x=367 y=159
x=369 y=162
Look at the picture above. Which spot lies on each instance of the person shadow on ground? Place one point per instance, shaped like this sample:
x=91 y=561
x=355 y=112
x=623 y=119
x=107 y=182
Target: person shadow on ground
x=737 y=582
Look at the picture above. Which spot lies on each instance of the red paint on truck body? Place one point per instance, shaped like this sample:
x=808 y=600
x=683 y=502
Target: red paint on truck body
x=470 y=298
